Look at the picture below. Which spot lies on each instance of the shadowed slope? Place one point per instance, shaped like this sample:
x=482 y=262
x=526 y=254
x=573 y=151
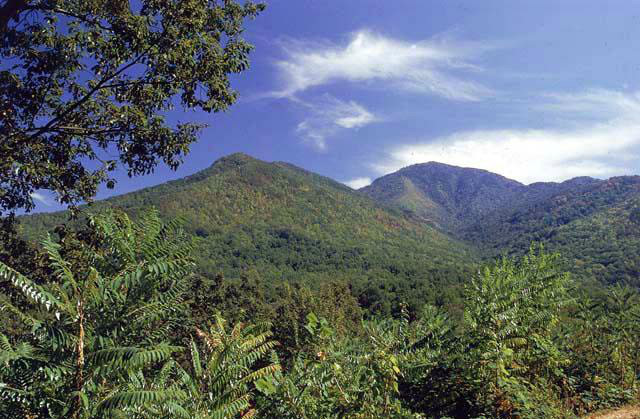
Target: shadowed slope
x=595 y=224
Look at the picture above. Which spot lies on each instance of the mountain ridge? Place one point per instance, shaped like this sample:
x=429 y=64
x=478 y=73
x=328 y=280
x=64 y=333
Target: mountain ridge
x=414 y=226
x=278 y=222
x=450 y=192
x=592 y=222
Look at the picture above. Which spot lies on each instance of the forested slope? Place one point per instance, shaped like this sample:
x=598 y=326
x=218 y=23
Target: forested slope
x=516 y=339
x=286 y=224
x=446 y=196
x=412 y=235
x=594 y=224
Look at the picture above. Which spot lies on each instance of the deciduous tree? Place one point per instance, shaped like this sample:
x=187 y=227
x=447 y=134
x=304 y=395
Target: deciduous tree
x=86 y=84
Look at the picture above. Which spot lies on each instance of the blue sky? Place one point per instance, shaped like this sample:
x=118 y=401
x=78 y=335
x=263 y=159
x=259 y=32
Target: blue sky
x=354 y=89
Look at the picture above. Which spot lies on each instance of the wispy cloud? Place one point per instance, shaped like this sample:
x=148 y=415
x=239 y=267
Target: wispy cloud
x=358 y=183
x=594 y=103
x=431 y=66
x=41 y=198
x=601 y=138
x=328 y=116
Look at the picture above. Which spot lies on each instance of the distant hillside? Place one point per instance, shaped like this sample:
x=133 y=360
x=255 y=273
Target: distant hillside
x=595 y=224
x=411 y=235
x=282 y=223
x=445 y=196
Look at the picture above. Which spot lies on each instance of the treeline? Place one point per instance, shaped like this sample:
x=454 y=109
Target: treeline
x=114 y=321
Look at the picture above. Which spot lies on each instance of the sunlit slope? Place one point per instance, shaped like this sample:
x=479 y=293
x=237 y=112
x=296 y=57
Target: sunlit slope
x=288 y=224
x=445 y=196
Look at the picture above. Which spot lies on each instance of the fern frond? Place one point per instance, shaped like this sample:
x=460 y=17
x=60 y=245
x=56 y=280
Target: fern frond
x=131 y=358
x=61 y=267
x=261 y=373
x=231 y=408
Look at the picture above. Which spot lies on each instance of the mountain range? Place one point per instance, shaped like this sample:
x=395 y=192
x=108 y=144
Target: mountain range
x=277 y=222
x=413 y=236
x=594 y=224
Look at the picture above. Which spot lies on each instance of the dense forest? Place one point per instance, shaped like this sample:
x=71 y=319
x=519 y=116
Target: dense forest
x=413 y=236
x=261 y=290
x=275 y=223
x=526 y=345
x=272 y=292
x=593 y=223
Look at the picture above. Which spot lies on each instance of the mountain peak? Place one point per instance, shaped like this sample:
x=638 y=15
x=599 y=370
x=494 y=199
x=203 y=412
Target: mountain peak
x=228 y=162
x=235 y=159
x=290 y=224
x=445 y=169
x=434 y=163
x=581 y=180
x=443 y=194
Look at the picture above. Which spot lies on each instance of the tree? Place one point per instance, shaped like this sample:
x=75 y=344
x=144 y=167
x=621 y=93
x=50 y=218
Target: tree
x=348 y=377
x=85 y=356
x=82 y=81
x=602 y=346
x=622 y=314
x=221 y=384
x=512 y=313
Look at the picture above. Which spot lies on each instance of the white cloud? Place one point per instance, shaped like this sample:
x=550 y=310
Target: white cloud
x=599 y=103
x=358 y=183
x=424 y=67
x=602 y=139
x=41 y=198
x=328 y=116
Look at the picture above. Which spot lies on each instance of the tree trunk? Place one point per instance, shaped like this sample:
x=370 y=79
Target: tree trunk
x=79 y=378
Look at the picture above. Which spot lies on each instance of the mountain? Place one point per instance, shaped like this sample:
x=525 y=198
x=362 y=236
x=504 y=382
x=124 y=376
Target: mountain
x=445 y=196
x=594 y=223
x=414 y=235
x=282 y=223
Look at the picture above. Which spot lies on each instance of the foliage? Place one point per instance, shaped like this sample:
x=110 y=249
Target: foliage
x=219 y=385
x=272 y=223
x=369 y=293
x=526 y=346
x=446 y=196
x=368 y=326
x=84 y=80
x=592 y=223
x=339 y=378
x=331 y=300
x=602 y=341
x=16 y=251
x=512 y=313
x=85 y=355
